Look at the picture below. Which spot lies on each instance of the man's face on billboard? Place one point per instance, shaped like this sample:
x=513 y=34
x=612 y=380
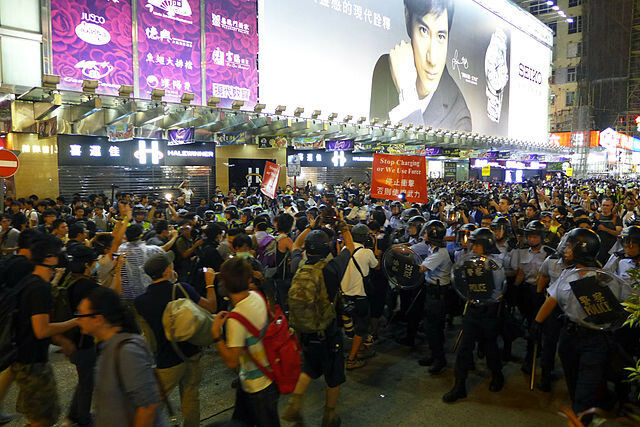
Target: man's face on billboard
x=429 y=42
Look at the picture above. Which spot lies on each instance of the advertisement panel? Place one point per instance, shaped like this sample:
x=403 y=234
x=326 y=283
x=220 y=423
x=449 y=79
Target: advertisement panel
x=169 y=48
x=475 y=66
x=91 y=39
x=394 y=176
x=231 y=28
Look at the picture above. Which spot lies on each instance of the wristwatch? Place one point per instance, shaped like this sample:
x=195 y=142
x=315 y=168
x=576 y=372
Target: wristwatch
x=497 y=73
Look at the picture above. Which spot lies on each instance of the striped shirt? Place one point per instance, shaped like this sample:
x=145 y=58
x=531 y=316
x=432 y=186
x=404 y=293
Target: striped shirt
x=254 y=310
x=134 y=279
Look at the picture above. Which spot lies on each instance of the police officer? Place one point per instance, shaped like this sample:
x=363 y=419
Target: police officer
x=621 y=262
x=463 y=249
x=416 y=224
x=550 y=271
x=437 y=272
x=527 y=263
x=583 y=352
x=482 y=275
x=394 y=221
x=218 y=210
x=501 y=228
x=231 y=215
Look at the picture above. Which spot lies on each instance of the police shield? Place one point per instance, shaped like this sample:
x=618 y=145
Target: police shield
x=402 y=267
x=479 y=280
x=595 y=300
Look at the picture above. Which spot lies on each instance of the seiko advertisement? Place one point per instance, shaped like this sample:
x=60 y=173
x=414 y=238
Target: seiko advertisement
x=460 y=65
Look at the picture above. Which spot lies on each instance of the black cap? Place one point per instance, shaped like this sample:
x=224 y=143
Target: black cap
x=158 y=263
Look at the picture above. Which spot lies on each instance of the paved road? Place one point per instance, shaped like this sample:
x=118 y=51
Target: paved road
x=391 y=390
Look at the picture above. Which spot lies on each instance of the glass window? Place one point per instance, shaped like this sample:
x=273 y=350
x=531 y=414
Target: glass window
x=554 y=27
x=571 y=74
x=575 y=26
x=570 y=99
x=27 y=70
x=26 y=16
x=573 y=3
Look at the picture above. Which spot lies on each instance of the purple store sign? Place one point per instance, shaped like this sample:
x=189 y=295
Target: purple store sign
x=91 y=39
x=232 y=50
x=169 y=48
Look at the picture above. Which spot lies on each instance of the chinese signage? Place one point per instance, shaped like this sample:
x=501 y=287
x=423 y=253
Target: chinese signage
x=394 y=176
x=231 y=31
x=169 y=48
x=269 y=184
x=329 y=159
x=181 y=136
x=76 y=150
x=91 y=39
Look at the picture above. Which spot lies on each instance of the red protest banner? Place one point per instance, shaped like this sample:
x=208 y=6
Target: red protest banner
x=270 y=180
x=395 y=175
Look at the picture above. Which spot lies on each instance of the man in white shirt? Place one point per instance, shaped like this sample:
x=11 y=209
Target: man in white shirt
x=353 y=287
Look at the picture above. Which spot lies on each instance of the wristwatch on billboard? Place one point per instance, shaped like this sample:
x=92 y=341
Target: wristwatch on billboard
x=497 y=73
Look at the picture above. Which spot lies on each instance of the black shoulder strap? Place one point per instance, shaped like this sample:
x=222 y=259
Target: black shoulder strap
x=356 y=262
x=163 y=392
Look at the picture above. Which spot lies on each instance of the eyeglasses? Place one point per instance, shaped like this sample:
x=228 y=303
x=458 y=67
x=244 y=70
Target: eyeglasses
x=51 y=267
x=78 y=315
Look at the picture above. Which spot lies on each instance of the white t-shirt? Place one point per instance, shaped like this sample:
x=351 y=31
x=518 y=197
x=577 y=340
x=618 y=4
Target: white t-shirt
x=187 y=195
x=33 y=216
x=254 y=310
x=352 y=283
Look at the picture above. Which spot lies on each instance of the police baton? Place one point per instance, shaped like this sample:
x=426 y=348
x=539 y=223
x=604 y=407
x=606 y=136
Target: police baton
x=533 y=365
x=455 y=346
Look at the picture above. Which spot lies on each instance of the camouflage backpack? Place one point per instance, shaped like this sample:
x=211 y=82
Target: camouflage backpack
x=310 y=309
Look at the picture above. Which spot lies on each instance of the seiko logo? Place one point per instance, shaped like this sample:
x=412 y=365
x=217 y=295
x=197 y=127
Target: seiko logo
x=529 y=73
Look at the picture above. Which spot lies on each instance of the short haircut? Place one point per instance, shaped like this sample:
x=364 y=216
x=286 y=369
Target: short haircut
x=26 y=237
x=49 y=212
x=212 y=231
x=57 y=223
x=76 y=228
x=234 y=231
x=242 y=240
x=236 y=274
x=507 y=198
x=161 y=225
x=102 y=243
x=45 y=246
x=107 y=302
x=262 y=226
x=420 y=8
x=284 y=222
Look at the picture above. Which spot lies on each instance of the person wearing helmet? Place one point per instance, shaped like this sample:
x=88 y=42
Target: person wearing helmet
x=526 y=263
x=140 y=217
x=415 y=227
x=218 y=209
x=246 y=219
x=550 y=271
x=622 y=261
x=481 y=319
x=231 y=214
x=463 y=250
x=584 y=352
x=501 y=228
x=396 y=210
x=322 y=352
x=437 y=273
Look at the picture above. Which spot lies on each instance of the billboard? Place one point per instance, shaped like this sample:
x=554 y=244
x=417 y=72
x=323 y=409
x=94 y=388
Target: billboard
x=477 y=66
x=169 y=48
x=231 y=31
x=91 y=39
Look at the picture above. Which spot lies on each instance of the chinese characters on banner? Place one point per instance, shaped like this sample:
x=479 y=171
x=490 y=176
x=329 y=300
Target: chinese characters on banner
x=395 y=175
x=169 y=48
x=270 y=180
x=91 y=39
x=232 y=50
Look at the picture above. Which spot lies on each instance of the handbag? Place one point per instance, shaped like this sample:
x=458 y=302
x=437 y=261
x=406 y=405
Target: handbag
x=184 y=320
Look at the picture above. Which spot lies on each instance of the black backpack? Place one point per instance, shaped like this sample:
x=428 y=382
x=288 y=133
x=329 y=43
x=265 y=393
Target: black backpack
x=62 y=309
x=10 y=303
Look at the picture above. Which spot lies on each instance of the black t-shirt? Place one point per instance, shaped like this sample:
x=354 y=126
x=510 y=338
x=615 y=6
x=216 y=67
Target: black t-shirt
x=210 y=256
x=36 y=298
x=151 y=306
x=78 y=291
x=611 y=222
x=13 y=269
x=18 y=220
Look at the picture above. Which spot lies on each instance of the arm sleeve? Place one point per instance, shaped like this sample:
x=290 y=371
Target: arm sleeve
x=236 y=334
x=431 y=262
x=138 y=379
x=193 y=294
x=373 y=261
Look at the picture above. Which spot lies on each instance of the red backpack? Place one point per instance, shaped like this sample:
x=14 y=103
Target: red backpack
x=281 y=346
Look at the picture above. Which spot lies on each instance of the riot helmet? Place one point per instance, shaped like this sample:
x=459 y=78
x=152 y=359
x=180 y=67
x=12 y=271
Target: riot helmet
x=463 y=234
x=500 y=227
x=218 y=208
x=232 y=211
x=417 y=222
x=409 y=213
x=209 y=215
x=434 y=232
x=485 y=238
x=396 y=208
x=584 y=244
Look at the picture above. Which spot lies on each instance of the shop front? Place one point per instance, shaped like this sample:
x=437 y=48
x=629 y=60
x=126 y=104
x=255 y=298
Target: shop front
x=93 y=165
x=329 y=168
x=507 y=171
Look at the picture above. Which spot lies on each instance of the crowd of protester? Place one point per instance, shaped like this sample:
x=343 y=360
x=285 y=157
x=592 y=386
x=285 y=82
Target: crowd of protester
x=94 y=276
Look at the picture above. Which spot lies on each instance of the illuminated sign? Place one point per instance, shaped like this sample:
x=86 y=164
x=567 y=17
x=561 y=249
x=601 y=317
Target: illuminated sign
x=153 y=150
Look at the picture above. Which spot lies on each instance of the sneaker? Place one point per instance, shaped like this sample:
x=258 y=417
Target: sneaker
x=7 y=418
x=355 y=364
x=366 y=352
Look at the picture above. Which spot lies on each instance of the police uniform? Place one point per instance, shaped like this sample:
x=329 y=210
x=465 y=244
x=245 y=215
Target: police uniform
x=619 y=265
x=480 y=323
x=438 y=282
x=584 y=352
x=396 y=223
